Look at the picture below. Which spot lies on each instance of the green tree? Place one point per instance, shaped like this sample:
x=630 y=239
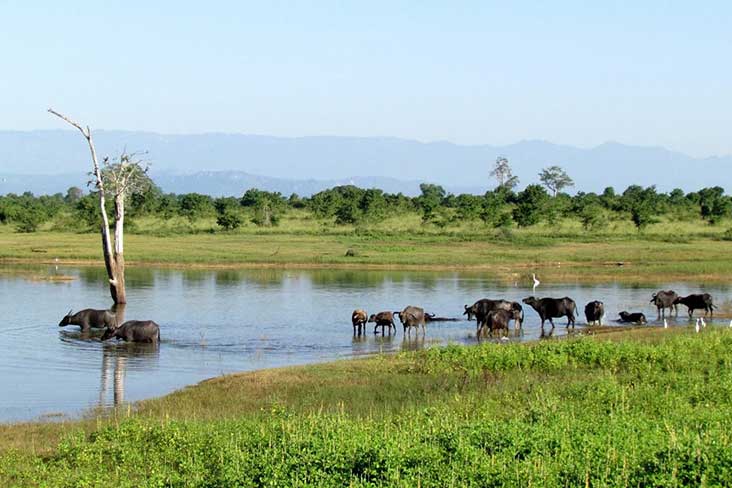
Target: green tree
x=430 y=200
x=494 y=210
x=642 y=204
x=555 y=179
x=268 y=206
x=503 y=174
x=228 y=215
x=593 y=217
x=195 y=206
x=530 y=205
x=73 y=195
x=468 y=207
x=146 y=201
x=610 y=199
x=713 y=204
x=295 y=201
x=373 y=205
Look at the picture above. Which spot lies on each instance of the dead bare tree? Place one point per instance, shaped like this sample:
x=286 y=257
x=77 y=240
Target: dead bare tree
x=122 y=178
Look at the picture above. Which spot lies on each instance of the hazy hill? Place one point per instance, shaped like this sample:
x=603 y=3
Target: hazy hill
x=227 y=163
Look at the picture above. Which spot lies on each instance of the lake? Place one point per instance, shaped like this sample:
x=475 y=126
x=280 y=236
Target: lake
x=215 y=322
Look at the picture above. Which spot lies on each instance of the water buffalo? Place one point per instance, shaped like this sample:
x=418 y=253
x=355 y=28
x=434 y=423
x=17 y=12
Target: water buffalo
x=483 y=307
x=383 y=319
x=496 y=320
x=134 y=331
x=358 y=319
x=594 y=311
x=89 y=318
x=549 y=308
x=664 y=299
x=430 y=317
x=698 y=301
x=412 y=317
x=633 y=318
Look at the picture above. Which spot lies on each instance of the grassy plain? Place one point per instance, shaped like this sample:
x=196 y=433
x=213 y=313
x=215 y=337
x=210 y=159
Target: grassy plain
x=563 y=252
x=649 y=407
x=645 y=407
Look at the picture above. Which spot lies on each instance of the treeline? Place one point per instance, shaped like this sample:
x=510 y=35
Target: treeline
x=349 y=205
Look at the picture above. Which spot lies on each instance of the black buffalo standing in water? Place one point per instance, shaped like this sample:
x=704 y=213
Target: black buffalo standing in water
x=549 y=308
x=697 y=301
x=594 y=311
x=135 y=331
x=89 y=318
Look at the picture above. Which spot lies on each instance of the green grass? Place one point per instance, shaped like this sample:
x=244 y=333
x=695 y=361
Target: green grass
x=644 y=408
x=565 y=254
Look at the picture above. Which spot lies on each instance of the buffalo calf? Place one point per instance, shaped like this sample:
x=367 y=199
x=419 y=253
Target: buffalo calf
x=383 y=319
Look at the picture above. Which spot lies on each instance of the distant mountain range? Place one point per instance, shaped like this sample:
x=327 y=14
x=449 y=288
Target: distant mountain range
x=228 y=164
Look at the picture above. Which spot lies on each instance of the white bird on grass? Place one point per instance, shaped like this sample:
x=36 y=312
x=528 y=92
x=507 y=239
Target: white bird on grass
x=665 y=324
x=703 y=322
x=697 y=328
x=536 y=281
x=730 y=323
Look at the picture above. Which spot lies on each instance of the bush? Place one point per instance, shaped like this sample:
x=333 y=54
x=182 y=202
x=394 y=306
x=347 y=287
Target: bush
x=29 y=220
x=593 y=217
x=229 y=219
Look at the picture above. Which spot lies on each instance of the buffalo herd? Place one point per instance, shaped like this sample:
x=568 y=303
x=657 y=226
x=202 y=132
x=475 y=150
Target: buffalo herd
x=490 y=316
x=495 y=315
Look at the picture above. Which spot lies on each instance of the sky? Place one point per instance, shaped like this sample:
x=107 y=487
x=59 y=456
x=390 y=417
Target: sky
x=652 y=73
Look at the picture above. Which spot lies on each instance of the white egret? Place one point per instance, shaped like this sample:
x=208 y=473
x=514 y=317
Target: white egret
x=703 y=322
x=665 y=324
x=536 y=281
x=697 y=328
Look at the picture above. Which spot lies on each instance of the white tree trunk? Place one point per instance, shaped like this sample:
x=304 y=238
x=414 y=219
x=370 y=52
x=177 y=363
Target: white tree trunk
x=113 y=261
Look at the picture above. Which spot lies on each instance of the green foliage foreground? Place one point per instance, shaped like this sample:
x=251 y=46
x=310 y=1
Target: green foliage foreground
x=629 y=412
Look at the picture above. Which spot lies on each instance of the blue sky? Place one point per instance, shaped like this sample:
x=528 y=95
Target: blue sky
x=646 y=73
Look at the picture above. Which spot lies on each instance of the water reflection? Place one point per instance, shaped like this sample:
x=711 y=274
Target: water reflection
x=413 y=343
x=116 y=358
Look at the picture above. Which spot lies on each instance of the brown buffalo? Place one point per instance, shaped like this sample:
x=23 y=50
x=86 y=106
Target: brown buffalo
x=358 y=319
x=412 y=317
x=383 y=319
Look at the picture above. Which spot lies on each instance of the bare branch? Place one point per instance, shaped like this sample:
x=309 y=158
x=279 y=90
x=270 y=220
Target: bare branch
x=87 y=132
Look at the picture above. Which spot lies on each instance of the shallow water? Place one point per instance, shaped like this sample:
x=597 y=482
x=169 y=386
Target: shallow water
x=215 y=322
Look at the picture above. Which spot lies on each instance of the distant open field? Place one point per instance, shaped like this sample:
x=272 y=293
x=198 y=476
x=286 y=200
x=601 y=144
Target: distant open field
x=646 y=407
x=666 y=251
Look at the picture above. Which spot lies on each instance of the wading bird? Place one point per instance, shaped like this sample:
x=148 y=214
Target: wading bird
x=697 y=328
x=536 y=281
x=665 y=324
